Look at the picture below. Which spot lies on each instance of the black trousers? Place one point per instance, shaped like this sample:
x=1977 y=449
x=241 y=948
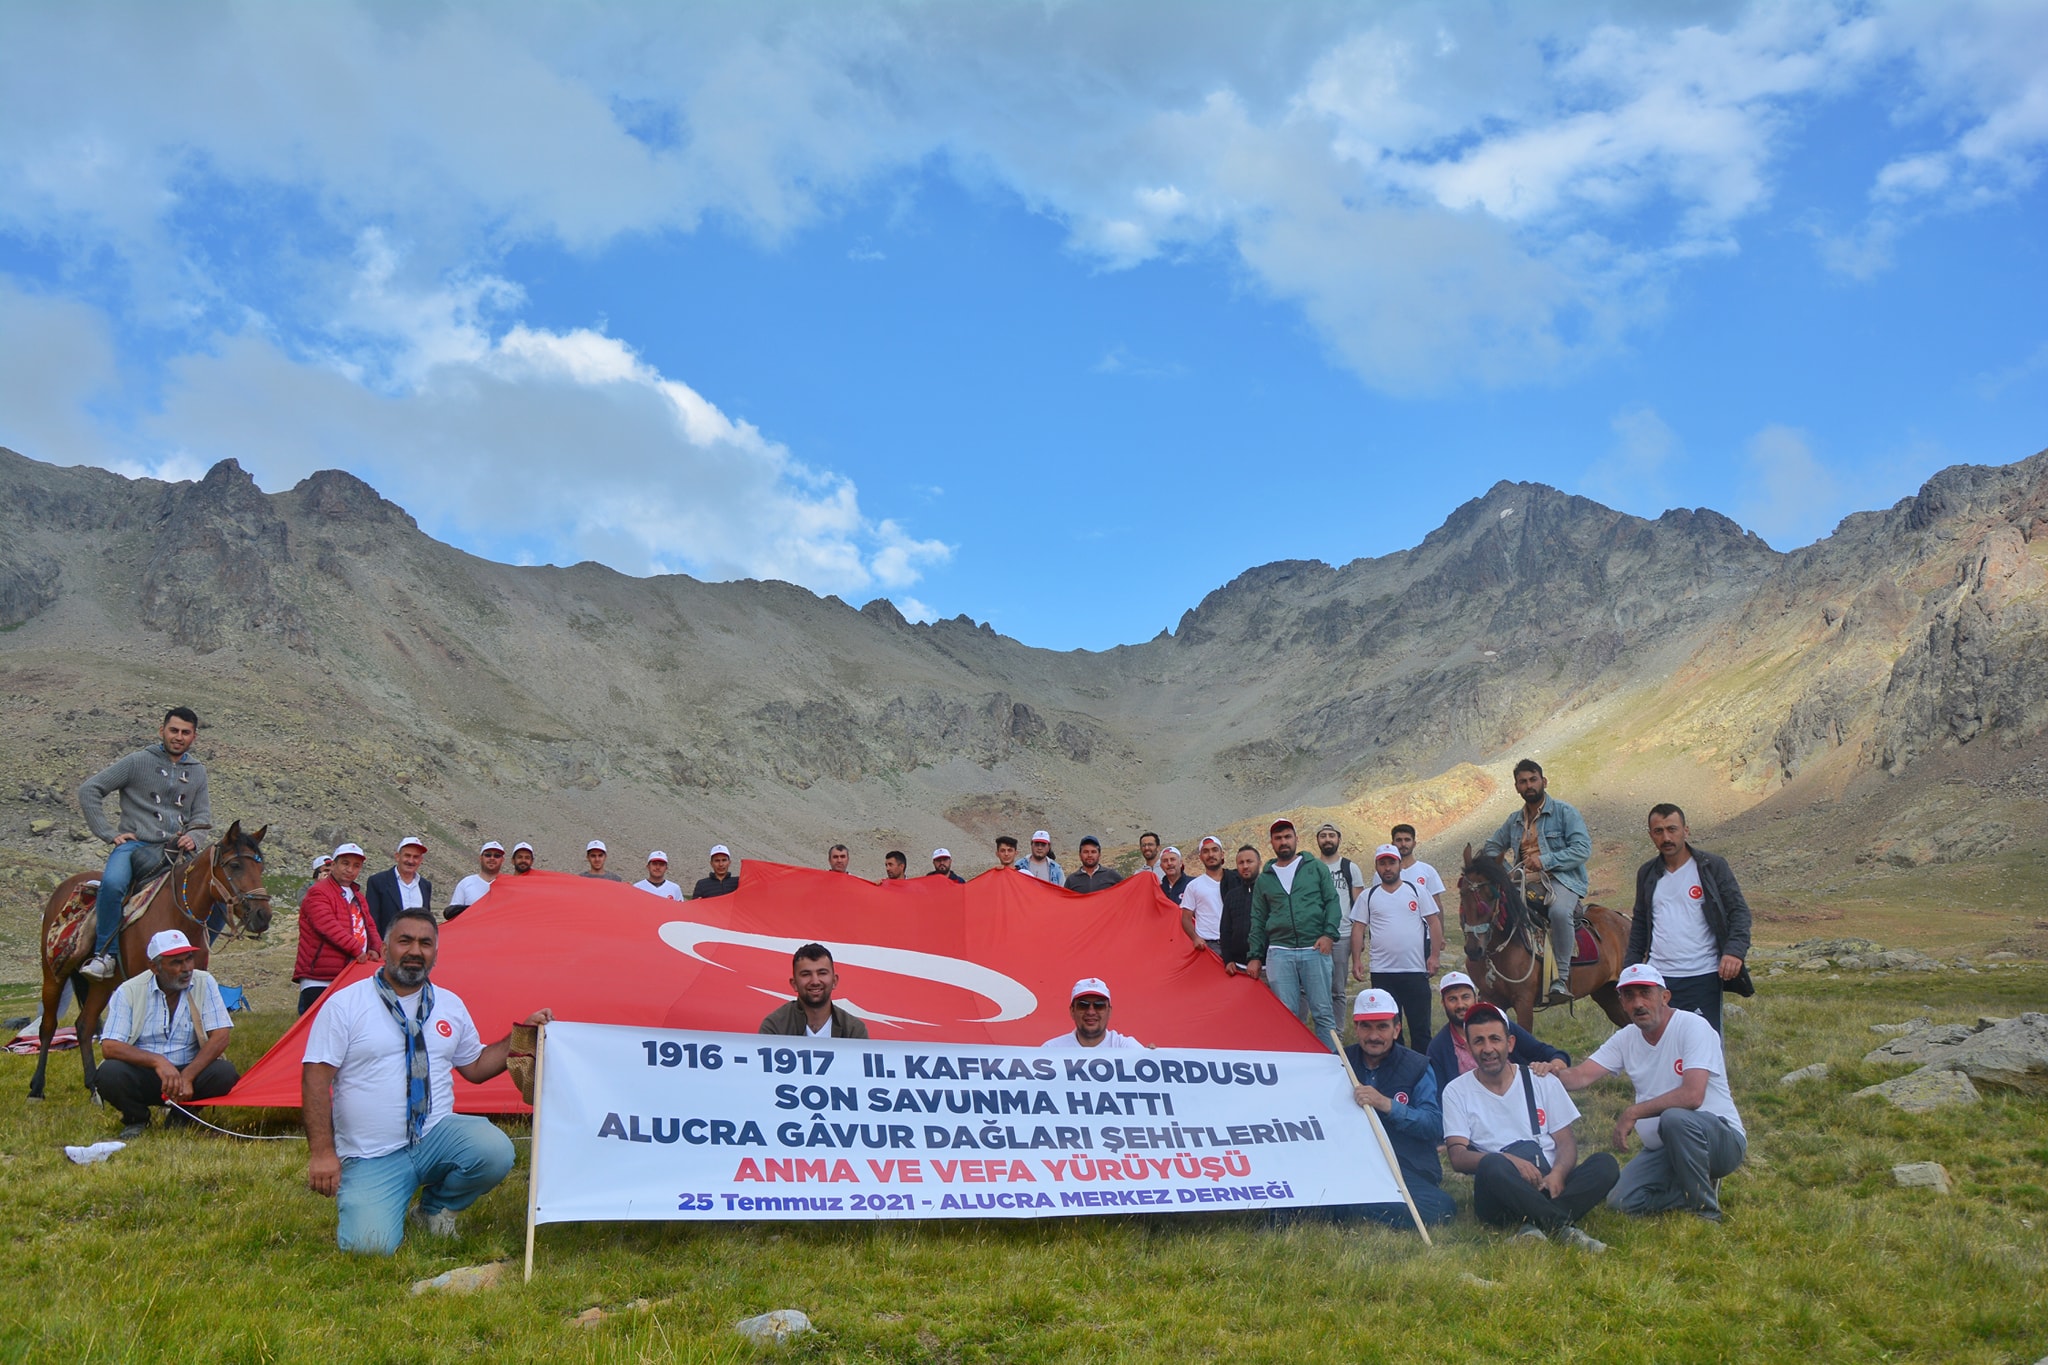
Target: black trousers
x=1501 y=1197
x=1700 y=994
x=133 y=1089
x=307 y=995
x=1411 y=992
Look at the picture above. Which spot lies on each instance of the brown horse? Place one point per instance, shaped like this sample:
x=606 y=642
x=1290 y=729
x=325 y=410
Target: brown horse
x=1501 y=937
x=229 y=872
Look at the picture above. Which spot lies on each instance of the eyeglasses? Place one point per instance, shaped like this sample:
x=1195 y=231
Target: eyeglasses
x=494 y=855
x=1091 y=1004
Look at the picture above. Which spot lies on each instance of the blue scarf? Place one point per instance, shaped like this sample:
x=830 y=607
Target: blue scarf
x=419 y=1093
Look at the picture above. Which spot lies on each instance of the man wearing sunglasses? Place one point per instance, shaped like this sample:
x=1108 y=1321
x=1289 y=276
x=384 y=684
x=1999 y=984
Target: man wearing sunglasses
x=1089 y=1007
x=490 y=861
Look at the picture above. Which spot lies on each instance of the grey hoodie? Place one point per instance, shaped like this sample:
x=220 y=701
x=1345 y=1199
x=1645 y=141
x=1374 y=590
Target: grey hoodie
x=161 y=796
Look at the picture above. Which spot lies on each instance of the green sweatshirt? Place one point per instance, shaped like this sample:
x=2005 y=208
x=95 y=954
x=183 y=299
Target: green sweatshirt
x=1283 y=919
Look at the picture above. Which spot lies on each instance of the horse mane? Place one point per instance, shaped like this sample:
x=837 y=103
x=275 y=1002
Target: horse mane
x=1494 y=872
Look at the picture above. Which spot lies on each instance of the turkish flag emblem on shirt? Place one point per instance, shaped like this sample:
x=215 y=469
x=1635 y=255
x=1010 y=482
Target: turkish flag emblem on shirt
x=444 y=1028
x=1679 y=1066
x=1695 y=892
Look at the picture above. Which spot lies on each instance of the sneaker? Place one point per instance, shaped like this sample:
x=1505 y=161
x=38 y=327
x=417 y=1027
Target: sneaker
x=1561 y=992
x=439 y=1223
x=101 y=968
x=133 y=1131
x=1531 y=1232
x=1573 y=1237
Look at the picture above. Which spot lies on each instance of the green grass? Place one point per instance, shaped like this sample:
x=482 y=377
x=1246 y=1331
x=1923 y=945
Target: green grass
x=199 y=1248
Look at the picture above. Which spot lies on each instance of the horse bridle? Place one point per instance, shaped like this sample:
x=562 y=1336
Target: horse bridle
x=225 y=893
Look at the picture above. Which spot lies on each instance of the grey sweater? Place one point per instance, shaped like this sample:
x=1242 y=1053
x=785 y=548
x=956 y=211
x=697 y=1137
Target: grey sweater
x=161 y=797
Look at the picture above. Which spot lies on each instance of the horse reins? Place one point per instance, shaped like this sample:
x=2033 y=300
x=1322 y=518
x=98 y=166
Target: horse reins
x=226 y=893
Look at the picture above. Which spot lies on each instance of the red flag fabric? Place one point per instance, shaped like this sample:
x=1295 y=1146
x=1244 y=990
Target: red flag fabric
x=993 y=960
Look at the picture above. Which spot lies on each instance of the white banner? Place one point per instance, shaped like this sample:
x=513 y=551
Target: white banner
x=635 y=1123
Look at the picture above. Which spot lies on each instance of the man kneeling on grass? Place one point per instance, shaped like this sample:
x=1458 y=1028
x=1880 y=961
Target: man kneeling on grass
x=1511 y=1132
x=1692 y=1135
x=378 y=1097
x=156 y=1052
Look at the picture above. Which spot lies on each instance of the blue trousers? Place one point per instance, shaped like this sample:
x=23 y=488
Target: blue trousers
x=459 y=1160
x=1431 y=1202
x=1698 y=1150
x=1297 y=972
x=115 y=882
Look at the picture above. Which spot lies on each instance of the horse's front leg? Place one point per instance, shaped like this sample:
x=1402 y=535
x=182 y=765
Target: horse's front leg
x=53 y=994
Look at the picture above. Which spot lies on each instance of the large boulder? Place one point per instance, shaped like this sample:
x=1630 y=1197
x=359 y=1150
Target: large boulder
x=1931 y=1087
x=2009 y=1056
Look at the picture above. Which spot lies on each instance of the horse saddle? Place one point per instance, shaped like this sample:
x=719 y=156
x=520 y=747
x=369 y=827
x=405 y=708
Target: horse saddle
x=1587 y=948
x=71 y=931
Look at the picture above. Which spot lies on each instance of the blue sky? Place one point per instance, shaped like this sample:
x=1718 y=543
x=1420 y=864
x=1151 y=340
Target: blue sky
x=1056 y=315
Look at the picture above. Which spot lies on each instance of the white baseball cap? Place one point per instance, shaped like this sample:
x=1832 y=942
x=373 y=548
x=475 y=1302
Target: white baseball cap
x=1208 y=839
x=410 y=841
x=1040 y=837
x=494 y=847
x=717 y=849
x=1386 y=851
x=522 y=844
x=596 y=846
x=939 y=853
x=169 y=943
x=1375 y=1005
x=1089 y=985
x=1177 y=853
x=321 y=860
x=657 y=857
x=1455 y=979
x=1642 y=974
x=349 y=851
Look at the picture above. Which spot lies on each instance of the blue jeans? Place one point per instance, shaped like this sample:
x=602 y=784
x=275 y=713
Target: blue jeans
x=1295 y=972
x=1431 y=1202
x=115 y=882
x=460 y=1160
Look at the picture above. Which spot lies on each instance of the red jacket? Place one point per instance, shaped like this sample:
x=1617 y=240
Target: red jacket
x=333 y=931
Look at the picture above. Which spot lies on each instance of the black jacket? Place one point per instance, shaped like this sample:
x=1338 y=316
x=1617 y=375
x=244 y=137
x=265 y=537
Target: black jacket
x=1101 y=879
x=1234 y=937
x=716 y=886
x=380 y=889
x=1727 y=913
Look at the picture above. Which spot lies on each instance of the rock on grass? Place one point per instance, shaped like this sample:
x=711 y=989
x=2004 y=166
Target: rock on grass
x=1931 y=1087
x=466 y=1280
x=772 y=1329
x=1927 y=1175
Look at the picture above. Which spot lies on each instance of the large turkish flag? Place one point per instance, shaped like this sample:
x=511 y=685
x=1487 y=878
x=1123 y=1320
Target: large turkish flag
x=993 y=961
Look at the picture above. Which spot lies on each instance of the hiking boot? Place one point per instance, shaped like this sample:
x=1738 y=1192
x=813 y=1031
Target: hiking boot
x=439 y=1223
x=101 y=968
x=134 y=1131
x=1573 y=1237
x=1530 y=1232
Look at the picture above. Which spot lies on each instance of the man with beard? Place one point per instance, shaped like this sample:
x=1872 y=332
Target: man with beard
x=1201 y=901
x=1091 y=875
x=812 y=1014
x=1148 y=854
x=1547 y=843
x=1407 y=938
x=155 y=1052
x=1450 y=1056
x=1690 y=920
x=522 y=859
x=1088 y=1006
x=1396 y=1081
x=1295 y=918
x=1234 y=928
x=1041 y=863
x=942 y=865
x=490 y=863
x=378 y=1098
x=1173 y=877
x=1351 y=884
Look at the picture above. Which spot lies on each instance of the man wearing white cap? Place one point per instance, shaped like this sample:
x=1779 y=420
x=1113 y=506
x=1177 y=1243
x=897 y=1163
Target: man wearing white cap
x=490 y=861
x=942 y=866
x=1173 y=874
x=657 y=882
x=723 y=881
x=1040 y=863
x=595 y=854
x=400 y=887
x=1088 y=1005
x=335 y=927
x=1449 y=1055
x=522 y=858
x=1683 y=1111
x=1397 y=1082
x=164 y=1035
x=1407 y=940
x=1201 y=901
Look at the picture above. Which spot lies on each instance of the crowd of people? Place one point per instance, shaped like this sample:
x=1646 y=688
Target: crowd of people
x=1482 y=1091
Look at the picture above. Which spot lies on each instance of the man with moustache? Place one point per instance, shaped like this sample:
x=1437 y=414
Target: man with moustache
x=1450 y=1056
x=1546 y=842
x=400 y=887
x=942 y=865
x=156 y=1053
x=1407 y=939
x=1040 y=863
x=1088 y=1006
x=336 y=927
x=1396 y=1081
x=490 y=863
x=1091 y=875
x=1295 y=919
x=522 y=859
x=1690 y=920
x=812 y=1014
x=1173 y=876
x=1201 y=900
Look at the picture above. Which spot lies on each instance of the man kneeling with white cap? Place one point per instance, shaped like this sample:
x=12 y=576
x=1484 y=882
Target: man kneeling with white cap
x=164 y=1034
x=1089 y=1008
x=1692 y=1134
x=1397 y=1082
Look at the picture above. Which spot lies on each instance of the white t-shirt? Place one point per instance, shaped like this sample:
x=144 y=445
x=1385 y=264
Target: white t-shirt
x=1285 y=872
x=1425 y=878
x=1204 y=896
x=409 y=897
x=1491 y=1122
x=1112 y=1041
x=1688 y=1043
x=1345 y=900
x=1681 y=944
x=469 y=891
x=823 y=1030
x=355 y=1033
x=667 y=889
x=1397 y=921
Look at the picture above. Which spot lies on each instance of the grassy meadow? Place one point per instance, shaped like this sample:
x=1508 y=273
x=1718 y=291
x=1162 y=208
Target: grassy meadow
x=205 y=1248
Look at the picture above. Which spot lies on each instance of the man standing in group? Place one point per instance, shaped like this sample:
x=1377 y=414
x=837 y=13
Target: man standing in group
x=1683 y=1111
x=657 y=882
x=1088 y=1006
x=942 y=865
x=336 y=927
x=1148 y=853
x=378 y=1098
x=1092 y=876
x=163 y=798
x=1547 y=841
x=1040 y=864
x=723 y=881
x=1351 y=884
x=895 y=865
x=1201 y=901
x=595 y=853
x=1690 y=920
x=1396 y=1081
x=1173 y=877
x=522 y=858
x=1407 y=940
x=1295 y=918
x=1006 y=854
x=1234 y=930
x=812 y=1014
x=1511 y=1131
x=1413 y=869
x=490 y=861
x=838 y=858
x=400 y=887
x=155 y=1052
x=1450 y=1055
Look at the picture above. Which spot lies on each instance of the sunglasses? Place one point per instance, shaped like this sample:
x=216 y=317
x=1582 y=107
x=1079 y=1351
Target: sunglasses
x=1091 y=1004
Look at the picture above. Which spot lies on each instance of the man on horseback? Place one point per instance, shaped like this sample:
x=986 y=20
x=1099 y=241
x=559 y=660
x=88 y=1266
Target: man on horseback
x=163 y=796
x=1547 y=844
x=156 y=1052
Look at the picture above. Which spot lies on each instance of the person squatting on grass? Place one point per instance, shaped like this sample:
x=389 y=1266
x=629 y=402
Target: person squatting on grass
x=1511 y=1131
x=157 y=1052
x=1692 y=1135
x=378 y=1098
x=1397 y=1082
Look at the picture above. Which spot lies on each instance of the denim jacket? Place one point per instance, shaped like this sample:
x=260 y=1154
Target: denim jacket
x=1561 y=832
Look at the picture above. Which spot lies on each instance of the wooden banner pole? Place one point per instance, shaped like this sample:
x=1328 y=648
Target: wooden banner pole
x=540 y=1052
x=1386 y=1147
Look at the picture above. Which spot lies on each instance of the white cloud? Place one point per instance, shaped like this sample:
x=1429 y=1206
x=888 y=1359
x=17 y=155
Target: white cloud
x=56 y=361
x=1788 y=497
x=914 y=610
x=1635 y=474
